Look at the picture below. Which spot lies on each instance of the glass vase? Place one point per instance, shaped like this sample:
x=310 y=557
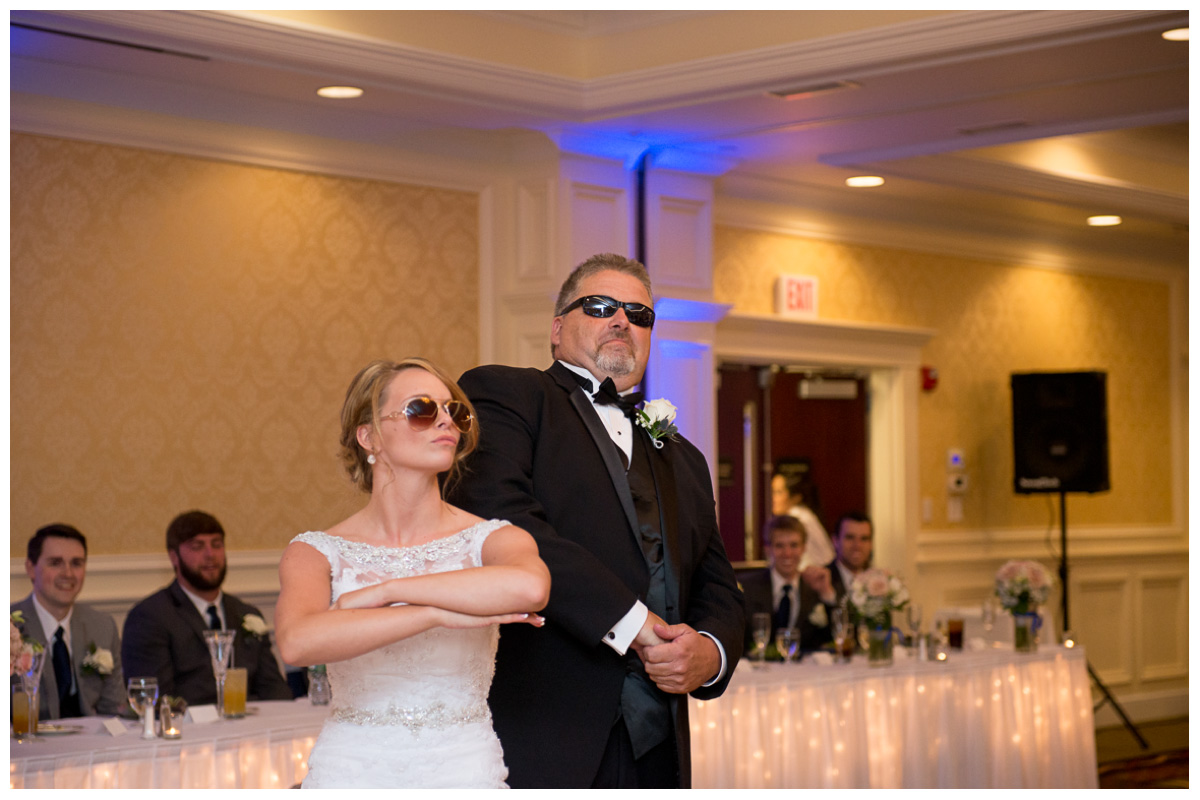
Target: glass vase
x=880 y=642
x=1025 y=632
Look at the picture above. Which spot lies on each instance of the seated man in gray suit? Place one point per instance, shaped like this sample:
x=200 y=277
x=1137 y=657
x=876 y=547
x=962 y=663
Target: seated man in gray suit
x=164 y=634
x=792 y=598
x=82 y=674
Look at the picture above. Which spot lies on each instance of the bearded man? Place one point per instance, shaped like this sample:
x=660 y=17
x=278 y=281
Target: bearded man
x=164 y=634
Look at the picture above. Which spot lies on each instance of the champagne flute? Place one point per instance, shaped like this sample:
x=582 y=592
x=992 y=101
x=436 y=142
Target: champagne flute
x=143 y=694
x=788 y=642
x=989 y=613
x=840 y=627
x=220 y=648
x=761 y=631
x=914 y=612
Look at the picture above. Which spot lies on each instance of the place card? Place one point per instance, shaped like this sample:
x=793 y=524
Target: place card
x=115 y=726
x=822 y=658
x=202 y=715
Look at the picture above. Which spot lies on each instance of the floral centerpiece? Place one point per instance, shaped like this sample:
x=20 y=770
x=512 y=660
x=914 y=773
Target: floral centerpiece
x=1022 y=586
x=873 y=596
x=22 y=650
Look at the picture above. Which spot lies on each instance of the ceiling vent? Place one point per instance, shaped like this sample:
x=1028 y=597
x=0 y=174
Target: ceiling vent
x=800 y=92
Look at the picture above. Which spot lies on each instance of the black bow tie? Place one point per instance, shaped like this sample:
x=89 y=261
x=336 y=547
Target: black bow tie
x=607 y=396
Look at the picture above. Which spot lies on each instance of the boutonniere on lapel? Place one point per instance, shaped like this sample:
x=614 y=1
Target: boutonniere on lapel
x=254 y=625
x=98 y=661
x=658 y=418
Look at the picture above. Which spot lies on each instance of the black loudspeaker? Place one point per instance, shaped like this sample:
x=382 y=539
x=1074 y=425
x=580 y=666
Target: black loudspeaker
x=1060 y=432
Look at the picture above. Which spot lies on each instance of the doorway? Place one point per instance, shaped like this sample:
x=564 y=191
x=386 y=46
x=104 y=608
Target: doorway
x=811 y=422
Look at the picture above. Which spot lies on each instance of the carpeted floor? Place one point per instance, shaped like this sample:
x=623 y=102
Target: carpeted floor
x=1159 y=771
x=1123 y=764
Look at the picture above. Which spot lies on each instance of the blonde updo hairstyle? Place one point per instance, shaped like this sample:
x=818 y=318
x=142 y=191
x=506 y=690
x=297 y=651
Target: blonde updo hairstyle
x=368 y=394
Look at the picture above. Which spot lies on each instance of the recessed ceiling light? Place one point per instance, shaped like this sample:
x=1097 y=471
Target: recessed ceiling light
x=860 y=181
x=1103 y=220
x=340 y=92
x=1176 y=35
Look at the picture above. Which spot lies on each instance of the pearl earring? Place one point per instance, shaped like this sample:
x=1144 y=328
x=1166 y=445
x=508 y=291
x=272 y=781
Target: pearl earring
x=371 y=458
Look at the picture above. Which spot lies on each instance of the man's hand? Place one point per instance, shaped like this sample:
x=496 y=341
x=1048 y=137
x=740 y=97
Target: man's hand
x=646 y=636
x=820 y=580
x=685 y=661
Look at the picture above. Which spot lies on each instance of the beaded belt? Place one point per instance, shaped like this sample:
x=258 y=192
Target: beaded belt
x=432 y=716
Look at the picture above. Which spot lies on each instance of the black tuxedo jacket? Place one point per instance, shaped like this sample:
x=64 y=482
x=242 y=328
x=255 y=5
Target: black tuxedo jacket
x=164 y=637
x=759 y=598
x=547 y=464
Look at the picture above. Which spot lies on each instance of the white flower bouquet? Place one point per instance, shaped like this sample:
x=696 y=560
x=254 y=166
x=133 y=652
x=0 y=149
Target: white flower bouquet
x=1022 y=586
x=873 y=596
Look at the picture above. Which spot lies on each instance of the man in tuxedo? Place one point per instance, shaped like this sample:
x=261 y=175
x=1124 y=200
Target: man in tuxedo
x=164 y=634
x=852 y=542
x=644 y=606
x=82 y=673
x=793 y=599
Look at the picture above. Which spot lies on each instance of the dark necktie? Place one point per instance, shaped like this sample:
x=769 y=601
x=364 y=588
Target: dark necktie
x=214 y=621
x=68 y=701
x=607 y=395
x=784 y=613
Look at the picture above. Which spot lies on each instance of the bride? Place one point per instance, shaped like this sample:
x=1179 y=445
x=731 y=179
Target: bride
x=403 y=600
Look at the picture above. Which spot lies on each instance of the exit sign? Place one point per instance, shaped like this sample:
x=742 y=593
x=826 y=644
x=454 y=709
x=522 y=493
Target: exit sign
x=796 y=296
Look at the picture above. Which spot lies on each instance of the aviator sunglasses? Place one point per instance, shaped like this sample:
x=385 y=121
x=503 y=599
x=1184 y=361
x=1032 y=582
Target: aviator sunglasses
x=598 y=305
x=422 y=412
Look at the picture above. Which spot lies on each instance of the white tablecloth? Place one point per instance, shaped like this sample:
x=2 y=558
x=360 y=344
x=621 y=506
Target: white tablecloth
x=989 y=719
x=268 y=749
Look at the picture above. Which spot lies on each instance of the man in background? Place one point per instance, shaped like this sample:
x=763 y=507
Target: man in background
x=164 y=634
x=793 y=599
x=852 y=542
x=82 y=673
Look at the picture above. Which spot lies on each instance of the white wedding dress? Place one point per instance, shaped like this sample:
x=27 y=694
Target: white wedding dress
x=413 y=713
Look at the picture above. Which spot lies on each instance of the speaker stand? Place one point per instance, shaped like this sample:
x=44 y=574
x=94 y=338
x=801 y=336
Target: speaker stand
x=1066 y=626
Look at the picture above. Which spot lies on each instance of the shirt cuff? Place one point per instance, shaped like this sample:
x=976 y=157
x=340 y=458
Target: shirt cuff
x=720 y=650
x=625 y=631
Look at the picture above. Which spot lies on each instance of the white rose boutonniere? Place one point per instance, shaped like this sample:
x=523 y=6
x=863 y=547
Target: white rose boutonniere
x=98 y=660
x=658 y=418
x=818 y=616
x=254 y=625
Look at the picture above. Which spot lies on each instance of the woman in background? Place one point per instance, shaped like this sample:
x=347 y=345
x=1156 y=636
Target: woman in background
x=403 y=599
x=787 y=497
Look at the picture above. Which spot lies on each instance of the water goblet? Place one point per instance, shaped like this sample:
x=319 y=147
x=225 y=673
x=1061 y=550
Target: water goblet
x=761 y=631
x=143 y=694
x=220 y=648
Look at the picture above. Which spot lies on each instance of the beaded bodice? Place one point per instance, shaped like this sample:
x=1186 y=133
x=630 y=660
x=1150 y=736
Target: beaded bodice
x=435 y=679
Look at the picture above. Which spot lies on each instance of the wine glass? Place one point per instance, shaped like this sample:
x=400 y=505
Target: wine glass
x=760 y=629
x=914 y=612
x=787 y=640
x=143 y=694
x=220 y=648
x=989 y=613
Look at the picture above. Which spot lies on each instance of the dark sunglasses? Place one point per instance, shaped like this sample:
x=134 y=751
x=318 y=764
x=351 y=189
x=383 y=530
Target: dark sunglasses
x=598 y=305
x=422 y=412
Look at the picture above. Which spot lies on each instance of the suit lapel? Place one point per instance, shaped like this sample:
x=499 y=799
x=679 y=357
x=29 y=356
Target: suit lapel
x=668 y=510
x=604 y=443
x=187 y=610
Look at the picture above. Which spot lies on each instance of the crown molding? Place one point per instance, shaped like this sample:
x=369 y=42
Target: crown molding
x=945 y=39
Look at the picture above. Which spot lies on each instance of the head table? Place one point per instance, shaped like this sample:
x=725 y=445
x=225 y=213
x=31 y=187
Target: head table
x=991 y=718
x=268 y=749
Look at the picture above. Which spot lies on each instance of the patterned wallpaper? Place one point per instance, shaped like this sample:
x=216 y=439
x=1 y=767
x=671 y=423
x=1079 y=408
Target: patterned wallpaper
x=184 y=330
x=992 y=320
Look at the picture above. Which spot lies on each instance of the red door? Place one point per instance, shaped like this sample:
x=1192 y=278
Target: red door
x=811 y=421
